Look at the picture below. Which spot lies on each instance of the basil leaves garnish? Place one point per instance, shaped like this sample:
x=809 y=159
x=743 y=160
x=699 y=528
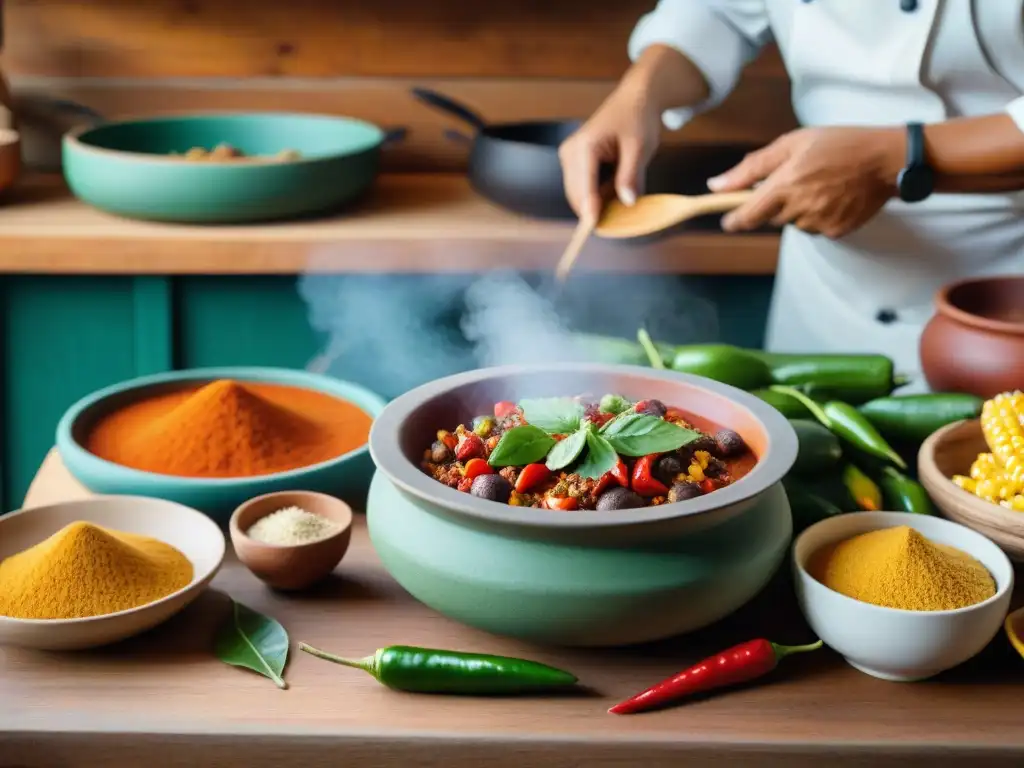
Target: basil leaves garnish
x=639 y=434
x=568 y=450
x=520 y=446
x=601 y=457
x=555 y=415
x=628 y=434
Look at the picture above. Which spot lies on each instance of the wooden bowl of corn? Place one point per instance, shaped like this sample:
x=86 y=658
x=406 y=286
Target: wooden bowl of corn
x=974 y=472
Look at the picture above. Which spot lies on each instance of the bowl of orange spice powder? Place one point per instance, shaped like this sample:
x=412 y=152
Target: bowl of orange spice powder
x=211 y=438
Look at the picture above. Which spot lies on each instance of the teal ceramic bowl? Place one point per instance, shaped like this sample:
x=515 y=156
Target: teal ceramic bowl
x=583 y=578
x=127 y=168
x=347 y=476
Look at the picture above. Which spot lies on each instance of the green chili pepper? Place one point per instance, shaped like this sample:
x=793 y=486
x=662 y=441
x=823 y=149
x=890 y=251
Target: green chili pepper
x=654 y=357
x=818 y=449
x=904 y=494
x=724 y=363
x=788 y=406
x=427 y=670
x=849 y=378
x=846 y=422
x=608 y=349
x=912 y=418
x=863 y=489
x=807 y=507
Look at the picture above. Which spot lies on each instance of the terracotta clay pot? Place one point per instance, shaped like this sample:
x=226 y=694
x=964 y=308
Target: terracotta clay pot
x=975 y=341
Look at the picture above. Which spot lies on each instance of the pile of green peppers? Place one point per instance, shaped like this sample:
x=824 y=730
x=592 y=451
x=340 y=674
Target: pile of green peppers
x=858 y=440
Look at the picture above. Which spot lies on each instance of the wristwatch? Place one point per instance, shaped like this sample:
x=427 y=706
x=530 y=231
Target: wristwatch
x=917 y=179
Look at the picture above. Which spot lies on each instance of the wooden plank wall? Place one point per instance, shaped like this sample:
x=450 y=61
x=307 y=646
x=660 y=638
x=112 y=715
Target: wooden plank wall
x=524 y=59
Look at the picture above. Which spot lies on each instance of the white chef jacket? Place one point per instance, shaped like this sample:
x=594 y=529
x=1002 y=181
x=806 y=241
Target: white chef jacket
x=870 y=62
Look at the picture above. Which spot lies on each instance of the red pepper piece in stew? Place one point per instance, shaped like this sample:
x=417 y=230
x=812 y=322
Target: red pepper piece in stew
x=644 y=481
x=477 y=467
x=619 y=474
x=470 y=446
x=531 y=476
x=740 y=664
x=504 y=409
x=561 y=503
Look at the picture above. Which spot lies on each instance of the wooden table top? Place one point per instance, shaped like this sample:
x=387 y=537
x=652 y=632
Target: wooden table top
x=409 y=223
x=164 y=700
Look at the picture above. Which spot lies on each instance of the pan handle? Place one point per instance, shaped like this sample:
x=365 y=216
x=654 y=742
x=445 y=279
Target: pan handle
x=74 y=108
x=394 y=136
x=454 y=108
x=457 y=137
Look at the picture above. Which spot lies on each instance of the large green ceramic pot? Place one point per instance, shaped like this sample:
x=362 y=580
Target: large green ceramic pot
x=583 y=578
x=346 y=476
x=127 y=168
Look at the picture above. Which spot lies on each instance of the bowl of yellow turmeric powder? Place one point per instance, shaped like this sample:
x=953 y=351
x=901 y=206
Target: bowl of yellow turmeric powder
x=901 y=596
x=86 y=573
x=212 y=438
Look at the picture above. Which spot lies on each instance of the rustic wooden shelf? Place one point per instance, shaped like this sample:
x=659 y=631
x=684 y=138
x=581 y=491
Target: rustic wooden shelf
x=410 y=223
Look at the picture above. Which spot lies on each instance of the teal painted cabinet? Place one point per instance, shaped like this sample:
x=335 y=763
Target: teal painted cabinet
x=65 y=336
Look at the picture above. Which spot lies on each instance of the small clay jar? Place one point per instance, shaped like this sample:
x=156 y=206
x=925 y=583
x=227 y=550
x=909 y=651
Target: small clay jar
x=975 y=341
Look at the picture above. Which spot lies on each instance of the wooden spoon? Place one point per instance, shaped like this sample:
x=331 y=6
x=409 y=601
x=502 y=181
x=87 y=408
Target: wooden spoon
x=656 y=213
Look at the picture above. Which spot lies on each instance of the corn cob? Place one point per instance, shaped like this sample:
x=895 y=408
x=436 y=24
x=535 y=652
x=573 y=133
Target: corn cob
x=998 y=476
x=1001 y=423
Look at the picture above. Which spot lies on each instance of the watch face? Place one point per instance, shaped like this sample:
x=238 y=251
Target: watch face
x=915 y=183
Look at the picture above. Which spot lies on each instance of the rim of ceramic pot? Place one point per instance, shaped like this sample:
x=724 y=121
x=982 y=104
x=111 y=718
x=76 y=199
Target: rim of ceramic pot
x=359 y=396
x=945 y=305
x=78 y=138
x=387 y=454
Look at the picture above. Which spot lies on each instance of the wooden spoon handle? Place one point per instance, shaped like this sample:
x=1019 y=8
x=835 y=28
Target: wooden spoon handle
x=573 y=250
x=720 y=202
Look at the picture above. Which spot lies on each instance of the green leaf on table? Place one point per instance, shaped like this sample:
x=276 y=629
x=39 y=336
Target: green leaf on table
x=638 y=434
x=251 y=640
x=555 y=415
x=600 y=458
x=520 y=446
x=566 y=451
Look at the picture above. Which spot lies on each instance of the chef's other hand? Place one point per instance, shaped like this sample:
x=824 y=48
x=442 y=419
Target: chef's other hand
x=624 y=130
x=827 y=181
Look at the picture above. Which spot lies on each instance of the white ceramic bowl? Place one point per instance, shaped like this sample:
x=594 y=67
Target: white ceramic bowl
x=893 y=644
x=190 y=531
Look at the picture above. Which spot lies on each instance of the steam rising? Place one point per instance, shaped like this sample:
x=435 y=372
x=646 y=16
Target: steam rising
x=394 y=332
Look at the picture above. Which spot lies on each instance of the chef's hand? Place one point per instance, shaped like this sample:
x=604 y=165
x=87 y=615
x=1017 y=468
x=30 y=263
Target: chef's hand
x=827 y=181
x=624 y=130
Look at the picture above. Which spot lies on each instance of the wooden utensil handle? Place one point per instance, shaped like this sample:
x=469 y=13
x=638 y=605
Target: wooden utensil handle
x=720 y=202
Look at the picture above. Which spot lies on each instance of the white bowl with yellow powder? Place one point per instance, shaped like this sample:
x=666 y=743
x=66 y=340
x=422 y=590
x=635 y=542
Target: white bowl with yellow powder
x=953 y=583
x=86 y=573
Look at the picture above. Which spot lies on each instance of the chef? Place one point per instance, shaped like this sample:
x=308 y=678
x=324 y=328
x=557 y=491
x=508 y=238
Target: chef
x=906 y=174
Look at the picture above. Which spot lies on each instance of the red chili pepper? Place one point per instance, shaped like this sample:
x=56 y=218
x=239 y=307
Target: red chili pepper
x=644 y=481
x=739 y=664
x=470 y=446
x=504 y=408
x=477 y=467
x=617 y=474
x=708 y=485
x=621 y=473
x=531 y=476
x=561 y=503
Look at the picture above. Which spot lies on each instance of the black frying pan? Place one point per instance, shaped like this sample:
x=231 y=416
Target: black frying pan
x=514 y=165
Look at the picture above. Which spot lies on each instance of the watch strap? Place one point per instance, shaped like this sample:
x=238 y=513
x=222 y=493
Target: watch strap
x=915 y=145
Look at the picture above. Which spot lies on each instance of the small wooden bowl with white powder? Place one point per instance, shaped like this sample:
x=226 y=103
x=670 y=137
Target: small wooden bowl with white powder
x=290 y=540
